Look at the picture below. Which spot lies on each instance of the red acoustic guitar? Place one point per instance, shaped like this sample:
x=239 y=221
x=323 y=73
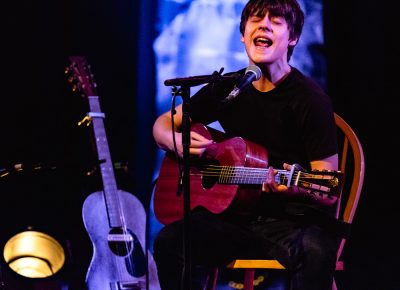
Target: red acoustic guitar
x=228 y=176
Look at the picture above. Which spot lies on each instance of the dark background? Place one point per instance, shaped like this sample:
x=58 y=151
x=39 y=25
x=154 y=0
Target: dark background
x=39 y=115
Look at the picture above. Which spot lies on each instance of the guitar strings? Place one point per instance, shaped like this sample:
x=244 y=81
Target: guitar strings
x=248 y=175
x=215 y=170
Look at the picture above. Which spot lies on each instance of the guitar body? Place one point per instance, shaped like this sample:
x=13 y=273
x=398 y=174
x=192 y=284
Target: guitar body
x=228 y=177
x=110 y=267
x=206 y=192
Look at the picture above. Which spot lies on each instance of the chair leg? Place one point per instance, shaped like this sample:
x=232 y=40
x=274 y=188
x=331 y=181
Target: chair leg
x=249 y=279
x=211 y=283
x=334 y=287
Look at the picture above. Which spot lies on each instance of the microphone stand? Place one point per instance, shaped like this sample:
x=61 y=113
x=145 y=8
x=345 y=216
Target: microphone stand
x=184 y=92
x=187 y=270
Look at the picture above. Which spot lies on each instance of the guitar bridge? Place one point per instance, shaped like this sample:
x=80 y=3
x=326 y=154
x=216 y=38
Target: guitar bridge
x=119 y=238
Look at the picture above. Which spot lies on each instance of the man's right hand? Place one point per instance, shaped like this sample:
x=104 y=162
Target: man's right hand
x=198 y=143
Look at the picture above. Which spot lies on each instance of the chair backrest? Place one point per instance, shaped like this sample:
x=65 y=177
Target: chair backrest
x=352 y=164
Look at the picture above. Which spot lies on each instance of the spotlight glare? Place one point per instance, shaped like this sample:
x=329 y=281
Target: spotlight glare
x=34 y=254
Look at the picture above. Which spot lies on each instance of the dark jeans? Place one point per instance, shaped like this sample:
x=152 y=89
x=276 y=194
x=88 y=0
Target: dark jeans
x=307 y=252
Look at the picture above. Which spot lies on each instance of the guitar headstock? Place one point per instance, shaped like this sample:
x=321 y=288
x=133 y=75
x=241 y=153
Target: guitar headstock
x=322 y=182
x=328 y=182
x=80 y=76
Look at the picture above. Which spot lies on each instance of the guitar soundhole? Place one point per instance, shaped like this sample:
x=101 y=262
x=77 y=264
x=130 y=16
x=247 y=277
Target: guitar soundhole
x=120 y=242
x=208 y=182
x=124 y=243
x=210 y=172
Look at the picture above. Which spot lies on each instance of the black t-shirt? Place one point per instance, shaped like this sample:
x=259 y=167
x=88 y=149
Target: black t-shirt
x=294 y=121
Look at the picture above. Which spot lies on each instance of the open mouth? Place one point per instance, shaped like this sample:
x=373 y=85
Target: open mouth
x=262 y=41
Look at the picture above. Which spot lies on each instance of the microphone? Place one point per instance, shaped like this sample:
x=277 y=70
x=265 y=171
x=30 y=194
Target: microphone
x=253 y=73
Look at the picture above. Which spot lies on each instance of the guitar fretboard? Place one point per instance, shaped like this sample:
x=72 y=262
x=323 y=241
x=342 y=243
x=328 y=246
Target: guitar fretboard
x=251 y=175
x=241 y=175
x=106 y=166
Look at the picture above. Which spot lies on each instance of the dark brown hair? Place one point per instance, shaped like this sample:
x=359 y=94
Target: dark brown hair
x=288 y=9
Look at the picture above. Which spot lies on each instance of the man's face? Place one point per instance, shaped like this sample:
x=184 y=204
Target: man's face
x=266 y=39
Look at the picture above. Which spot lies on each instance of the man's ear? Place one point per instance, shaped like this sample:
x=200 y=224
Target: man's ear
x=242 y=39
x=293 y=42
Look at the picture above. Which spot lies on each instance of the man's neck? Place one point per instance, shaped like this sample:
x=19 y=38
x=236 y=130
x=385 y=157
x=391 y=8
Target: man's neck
x=271 y=77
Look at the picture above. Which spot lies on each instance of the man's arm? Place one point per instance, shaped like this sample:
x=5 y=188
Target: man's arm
x=162 y=133
x=329 y=163
x=162 y=129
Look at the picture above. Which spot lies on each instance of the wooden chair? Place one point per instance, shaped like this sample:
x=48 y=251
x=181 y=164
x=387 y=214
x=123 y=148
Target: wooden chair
x=351 y=160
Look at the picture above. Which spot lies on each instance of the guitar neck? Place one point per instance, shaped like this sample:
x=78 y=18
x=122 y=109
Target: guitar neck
x=324 y=182
x=106 y=166
x=245 y=175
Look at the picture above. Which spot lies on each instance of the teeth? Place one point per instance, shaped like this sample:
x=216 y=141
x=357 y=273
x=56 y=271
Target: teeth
x=263 y=40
